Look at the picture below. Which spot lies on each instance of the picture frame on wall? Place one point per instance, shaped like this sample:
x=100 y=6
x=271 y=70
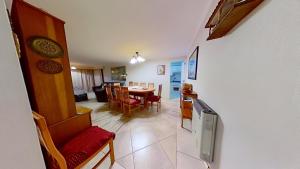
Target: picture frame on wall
x=193 y=64
x=161 y=69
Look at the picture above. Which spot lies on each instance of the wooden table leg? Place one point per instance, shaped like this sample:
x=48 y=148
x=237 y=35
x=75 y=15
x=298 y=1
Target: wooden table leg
x=146 y=100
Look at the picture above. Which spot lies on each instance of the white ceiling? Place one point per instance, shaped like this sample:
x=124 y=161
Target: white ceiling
x=111 y=31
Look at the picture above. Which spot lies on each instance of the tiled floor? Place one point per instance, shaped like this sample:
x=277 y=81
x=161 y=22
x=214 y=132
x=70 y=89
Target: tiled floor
x=149 y=139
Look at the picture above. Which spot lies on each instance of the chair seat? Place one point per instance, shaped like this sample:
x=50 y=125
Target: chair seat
x=154 y=98
x=84 y=145
x=132 y=101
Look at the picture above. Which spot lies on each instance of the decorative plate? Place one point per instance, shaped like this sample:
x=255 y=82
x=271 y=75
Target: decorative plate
x=49 y=66
x=45 y=47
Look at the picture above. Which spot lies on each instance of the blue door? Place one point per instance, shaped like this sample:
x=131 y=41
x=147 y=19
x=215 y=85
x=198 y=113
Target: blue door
x=175 y=79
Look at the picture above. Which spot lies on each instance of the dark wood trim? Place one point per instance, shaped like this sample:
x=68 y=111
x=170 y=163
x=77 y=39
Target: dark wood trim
x=102 y=75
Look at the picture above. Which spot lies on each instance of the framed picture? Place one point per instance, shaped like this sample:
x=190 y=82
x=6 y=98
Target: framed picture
x=161 y=69
x=192 y=64
x=118 y=73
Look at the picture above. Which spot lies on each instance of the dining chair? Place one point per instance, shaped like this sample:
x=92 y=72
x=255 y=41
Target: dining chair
x=111 y=99
x=119 y=97
x=130 y=103
x=156 y=98
x=151 y=85
x=130 y=83
x=135 y=83
x=142 y=84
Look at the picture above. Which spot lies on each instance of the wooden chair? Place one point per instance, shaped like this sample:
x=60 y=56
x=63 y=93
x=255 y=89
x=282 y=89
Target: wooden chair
x=186 y=110
x=156 y=98
x=76 y=158
x=143 y=85
x=135 y=83
x=111 y=99
x=130 y=83
x=151 y=85
x=131 y=103
x=186 y=105
x=119 y=97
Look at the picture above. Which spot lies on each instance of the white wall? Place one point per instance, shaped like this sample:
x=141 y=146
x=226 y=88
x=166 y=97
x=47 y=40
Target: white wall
x=107 y=72
x=19 y=146
x=8 y=4
x=251 y=77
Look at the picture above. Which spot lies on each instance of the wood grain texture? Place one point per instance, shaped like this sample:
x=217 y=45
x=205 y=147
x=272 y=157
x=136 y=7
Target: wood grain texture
x=65 y=130
x=49 y=94
x=221 y=23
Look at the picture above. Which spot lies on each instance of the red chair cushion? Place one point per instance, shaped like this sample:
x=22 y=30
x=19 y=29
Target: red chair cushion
x=84 y=145
x=133 y=101
x=154 y=98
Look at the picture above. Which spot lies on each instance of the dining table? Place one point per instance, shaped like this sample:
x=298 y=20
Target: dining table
x=140 y=91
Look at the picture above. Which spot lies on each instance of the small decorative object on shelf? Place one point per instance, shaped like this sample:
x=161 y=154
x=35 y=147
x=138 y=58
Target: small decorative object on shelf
x=228 y=14
x=45 y=47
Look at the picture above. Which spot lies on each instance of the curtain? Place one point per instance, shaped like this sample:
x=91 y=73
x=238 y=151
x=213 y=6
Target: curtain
x=98 y=77
x=83 y=79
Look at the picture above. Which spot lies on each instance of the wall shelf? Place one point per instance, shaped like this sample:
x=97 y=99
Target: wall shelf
x=228 y=14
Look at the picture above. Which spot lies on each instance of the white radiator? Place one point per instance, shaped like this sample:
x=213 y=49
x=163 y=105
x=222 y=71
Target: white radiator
x=204 y=125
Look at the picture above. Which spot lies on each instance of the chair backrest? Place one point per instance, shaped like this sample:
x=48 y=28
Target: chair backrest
x=143 y=84
x=130 y=83
x=159 y=90
x=117 y=84
x=47 y=142
x=125 y=93
x=135 y=83
x=151 y=85
x=187 y=88
x=109 y=93
x=118 y=93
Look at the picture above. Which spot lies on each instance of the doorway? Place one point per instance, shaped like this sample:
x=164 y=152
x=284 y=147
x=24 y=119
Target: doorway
x=175 y=79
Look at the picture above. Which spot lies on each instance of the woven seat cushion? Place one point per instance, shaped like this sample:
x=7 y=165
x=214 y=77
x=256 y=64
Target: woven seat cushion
x=84 y=145
x=154 y=98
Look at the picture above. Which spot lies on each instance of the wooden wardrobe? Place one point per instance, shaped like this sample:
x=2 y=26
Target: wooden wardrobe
x=50 y=93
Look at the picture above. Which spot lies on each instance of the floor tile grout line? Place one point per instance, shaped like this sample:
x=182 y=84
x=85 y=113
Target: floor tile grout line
x=189 y=155
x=121 y=164
x=132 y=149
x=152 y=144
x=123 y=156
x=167 y=153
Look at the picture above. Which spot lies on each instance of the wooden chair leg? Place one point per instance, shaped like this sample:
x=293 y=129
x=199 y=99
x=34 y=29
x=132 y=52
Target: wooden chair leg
x=111 y=152
x=124 y=109
x=181 y=122
x=129 y=110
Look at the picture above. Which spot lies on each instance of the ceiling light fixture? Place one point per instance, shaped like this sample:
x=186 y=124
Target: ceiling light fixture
x=137 y=58
x=73 y=68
